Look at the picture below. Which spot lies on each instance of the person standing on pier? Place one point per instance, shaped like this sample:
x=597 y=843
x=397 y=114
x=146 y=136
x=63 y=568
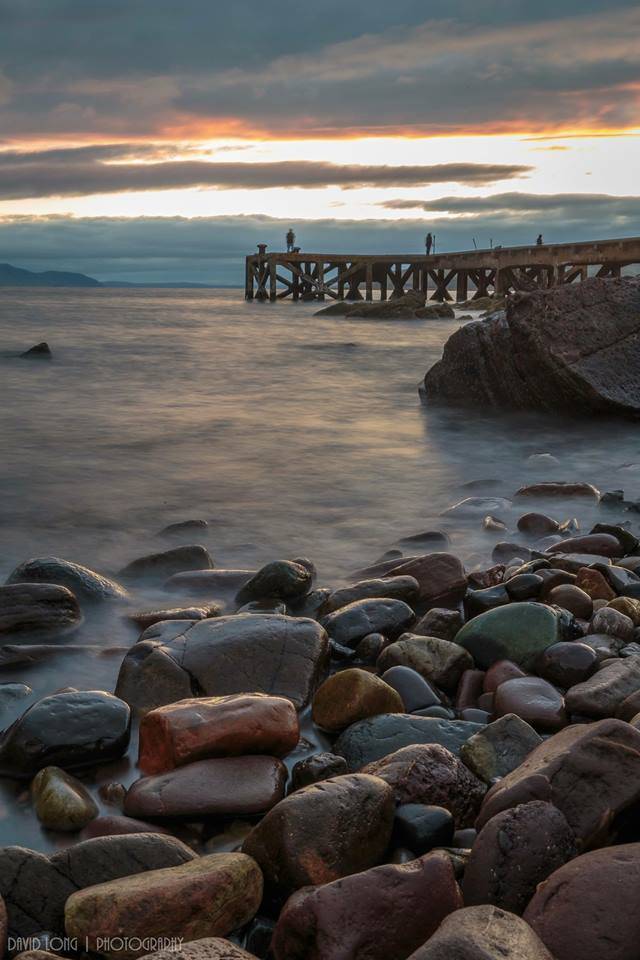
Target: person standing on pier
x=539 y=241
x=291 y=239
x=428 y=242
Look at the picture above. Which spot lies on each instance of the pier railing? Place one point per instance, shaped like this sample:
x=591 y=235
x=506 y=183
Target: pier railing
x=444 y=276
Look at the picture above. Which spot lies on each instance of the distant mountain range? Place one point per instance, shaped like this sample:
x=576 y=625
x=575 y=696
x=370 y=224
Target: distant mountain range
x=17 y=277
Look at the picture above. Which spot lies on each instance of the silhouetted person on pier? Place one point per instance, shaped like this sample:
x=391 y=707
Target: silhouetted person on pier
x=428 y=242
x=539 y=241
x=291 y=239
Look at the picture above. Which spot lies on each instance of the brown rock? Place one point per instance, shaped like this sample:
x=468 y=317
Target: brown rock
x=323 y=832
x=532 y=699
x=627 y=606
x=595 y=584
x=573 y=599
x=629 y=707
x=567 y=663
x=226 y=786
x=431 y=774
x=616 y=624
x=37 y=608
x=439 y=622
x=193 y=729
x=590 y=772
x=500 y=671
x=603 y=693
x=210 y=896
x=514 y=852
x=441 y=577
x=352 y=695
x=537 y=524
x=588 y=909
x=381 y=913
x=469 y=689
x=438 y=661
x=483 y=933
x=599 y=544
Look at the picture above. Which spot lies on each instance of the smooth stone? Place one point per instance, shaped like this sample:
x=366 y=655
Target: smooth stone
x=40 y=351
x=351 y=623
x=629 y=707
x=587 y=909
x=499 y=748
x=588 y=771
x=421 y=827
x=222 y=787
x=532 y=699
x=147 y=618
x=322 y=833
x=61 y=801
x=498 y=672
x=69 y=730
x=282 y=579
x=10 y=692
x=595 y=584
x=464 y=840
x=439 y=622
x=514 y=852
x=537 y=524
x=628 y=542
x=604 y=645
x=210 y=896
x=602 y=694
x=469 y=689
x=485 y=702
x=435 y=711
x=35 y=887
x=84 y=583
x=524 y=586
x=574 y=562
x=478 y=601
x=483 y=933
x=573 y=599
x=475 y=715
x=40 y=608
x=370 y=647
x=311 y=604
x=384 y=912
x=566 y=664
x=184 y=528
x=428 y=773
x=372 y=739
x=391 y=588
x=321 y=766
x=209 y=582
x=438 y=661
x=114 y=825
x=618 y=577
x=553 y=489
x=493 y=525
x=414 y=691
x=268 y=605
x=610 y=621
x=627 y=606
x=160 y=566
x=599 y=544
x=517 y=632
x=551 y=578
x=263 y=653
x=353 y=695
x=428 y=538
x=506 y=552
x=202 y=727
x=441 y=578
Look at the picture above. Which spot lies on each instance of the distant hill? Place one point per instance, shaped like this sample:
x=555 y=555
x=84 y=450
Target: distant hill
x=16 y=277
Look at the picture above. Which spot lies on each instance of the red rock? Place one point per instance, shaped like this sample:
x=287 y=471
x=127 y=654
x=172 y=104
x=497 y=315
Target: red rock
x=599 y=544
x=243 y=723
x=225 y=786
x=209 y=896
x=534 y=700
x=588 y=909
x=469 y=689
x=381 y=913
x=595 y=584
x=500 y=671
x=588 y=771
x=441 y=577
x=431 y=774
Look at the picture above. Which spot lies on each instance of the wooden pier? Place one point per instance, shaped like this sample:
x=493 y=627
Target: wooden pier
x=445 y=276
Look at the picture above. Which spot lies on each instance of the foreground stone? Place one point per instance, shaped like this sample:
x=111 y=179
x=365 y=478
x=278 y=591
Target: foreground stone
x=518 y=632
x=193 y=729
x=381 y=913
x=225 y=786
x=372 y=739
x=352 y=695
x=68 y=730
x=86 y=584
x=483 y=933
x=430 y=774
x=210 y=896
x=589 y=772
x=264 y=653
x=604 y=692
x=38 y=608
x=61 y=802
x=499 y=748
x=438 y=661
x=561 y=349
x=323 y=832
x=514 y=852
x=589 y=907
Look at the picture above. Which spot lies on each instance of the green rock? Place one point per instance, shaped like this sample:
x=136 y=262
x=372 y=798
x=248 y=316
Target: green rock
x=517 y=632
x=499 y=747
x=61 y=801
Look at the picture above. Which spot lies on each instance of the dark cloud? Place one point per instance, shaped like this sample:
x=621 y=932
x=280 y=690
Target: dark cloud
x=503 y=206
x=78 y=172
x=212 y=249
x=123 y=68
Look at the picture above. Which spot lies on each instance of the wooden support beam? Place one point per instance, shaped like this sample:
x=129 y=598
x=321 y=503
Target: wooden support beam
x=462 y=286
x=369 y=282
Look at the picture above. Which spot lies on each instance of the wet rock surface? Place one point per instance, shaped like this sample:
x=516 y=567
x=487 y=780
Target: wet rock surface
x=370 y=740
x=85 y=584
x=37 y=608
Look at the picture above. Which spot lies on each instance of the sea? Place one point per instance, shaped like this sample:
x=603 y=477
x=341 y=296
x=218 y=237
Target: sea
x=291 y=434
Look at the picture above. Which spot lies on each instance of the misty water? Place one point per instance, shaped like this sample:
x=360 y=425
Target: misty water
x=290 y=434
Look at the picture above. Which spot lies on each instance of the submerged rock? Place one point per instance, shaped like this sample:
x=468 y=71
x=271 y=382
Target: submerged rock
x=61 y=802
x=38 y=608
x=160 y=566
x=570 y=349
x=86 y=584
x=41 y=351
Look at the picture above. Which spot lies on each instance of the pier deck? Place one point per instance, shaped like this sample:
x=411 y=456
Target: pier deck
x=443 y=276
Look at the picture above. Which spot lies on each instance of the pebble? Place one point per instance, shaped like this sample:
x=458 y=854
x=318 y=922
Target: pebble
x=61 y=801
x=393 y=588
x=595 y=584
x=439 y=622
x=537 y=524
x=566 y=664
x=610 y=621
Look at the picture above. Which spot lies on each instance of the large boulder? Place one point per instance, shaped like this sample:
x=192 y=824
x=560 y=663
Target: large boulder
x=483 y=933
x=517 y=632
x=264 y=653
x=572 y=348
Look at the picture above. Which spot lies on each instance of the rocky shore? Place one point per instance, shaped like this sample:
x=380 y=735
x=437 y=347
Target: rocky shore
x=428 y=761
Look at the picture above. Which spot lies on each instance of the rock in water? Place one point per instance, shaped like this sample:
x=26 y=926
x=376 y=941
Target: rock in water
x=61 y=801
x=572 y=348
x=86 y=584
x=160 y=566
x=483 y=933
x=72 y=729
x=41 y=351
x=208 y=897
x=37 y=608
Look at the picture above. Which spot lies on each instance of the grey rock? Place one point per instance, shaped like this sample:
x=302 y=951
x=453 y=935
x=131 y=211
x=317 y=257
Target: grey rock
x=351 y=623
x=376 y=737
x=86 y=584
x=500 y=747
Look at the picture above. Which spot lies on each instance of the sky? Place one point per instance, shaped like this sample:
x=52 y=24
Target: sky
x=149 y=140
